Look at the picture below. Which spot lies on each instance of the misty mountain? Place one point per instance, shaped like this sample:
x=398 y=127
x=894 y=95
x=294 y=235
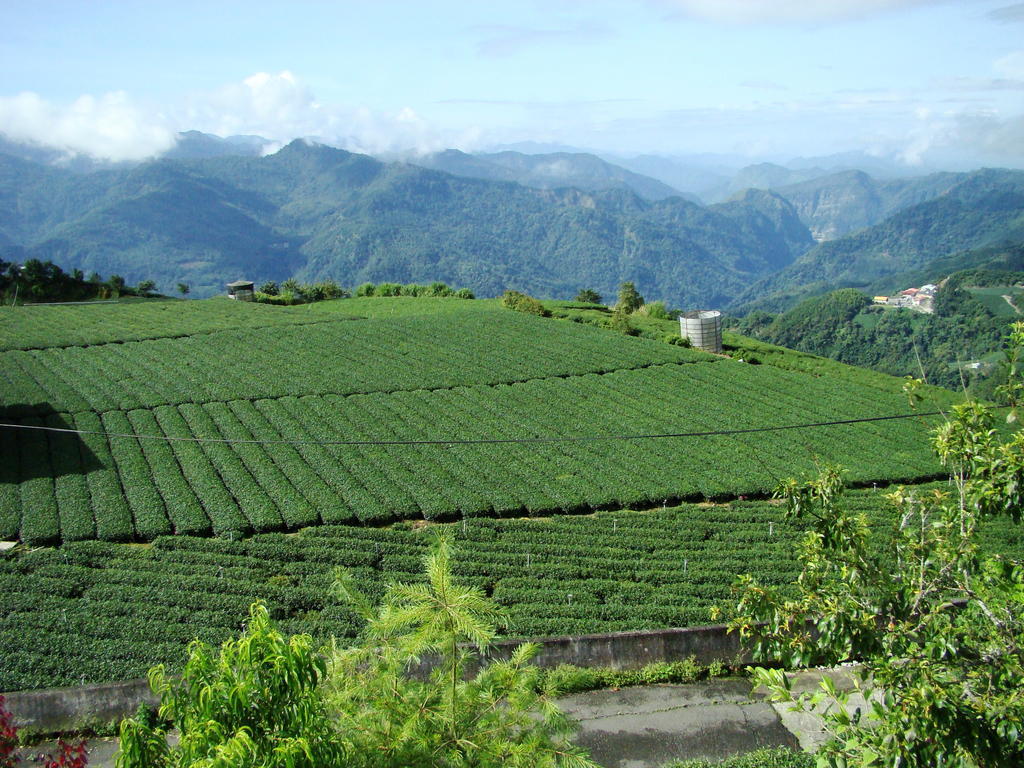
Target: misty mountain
x=980 y=209
x=838 y=204
x=316 y=212
x=546 y=171
x=194 y=145
x=714 y=178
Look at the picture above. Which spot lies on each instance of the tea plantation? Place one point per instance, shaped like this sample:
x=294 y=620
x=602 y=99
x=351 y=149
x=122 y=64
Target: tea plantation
x=223 y=452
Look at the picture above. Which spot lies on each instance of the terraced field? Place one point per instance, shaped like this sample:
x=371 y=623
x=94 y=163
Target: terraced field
x=385 y=418
x=224 y=453
x=98 y=611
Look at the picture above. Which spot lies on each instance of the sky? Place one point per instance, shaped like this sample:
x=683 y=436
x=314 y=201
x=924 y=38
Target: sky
x=930 y=83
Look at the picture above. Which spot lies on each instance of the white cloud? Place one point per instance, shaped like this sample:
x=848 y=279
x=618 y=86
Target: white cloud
x=785 y=11
x=281 y=107
x=108 y=126
x=278 y=107
x=965 y=140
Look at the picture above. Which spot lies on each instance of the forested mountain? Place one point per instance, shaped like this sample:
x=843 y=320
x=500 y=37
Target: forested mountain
x=944 y=347
x=316 y=212
x=547 y=171
x=838 y=204
x=980 y=209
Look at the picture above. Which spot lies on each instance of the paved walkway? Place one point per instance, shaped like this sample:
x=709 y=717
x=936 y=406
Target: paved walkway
x=649 y=726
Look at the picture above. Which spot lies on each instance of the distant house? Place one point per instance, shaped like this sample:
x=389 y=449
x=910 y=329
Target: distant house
x=242 y=290
x=881 y=299
x=929 y=289
x=909 y=292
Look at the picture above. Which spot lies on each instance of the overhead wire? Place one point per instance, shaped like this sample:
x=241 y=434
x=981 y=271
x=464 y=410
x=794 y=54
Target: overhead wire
x=480 y=441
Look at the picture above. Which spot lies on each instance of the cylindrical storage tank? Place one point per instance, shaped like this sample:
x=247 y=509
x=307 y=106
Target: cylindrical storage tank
x=703 y=327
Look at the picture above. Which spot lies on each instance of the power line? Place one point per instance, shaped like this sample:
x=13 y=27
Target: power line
x=479 y=441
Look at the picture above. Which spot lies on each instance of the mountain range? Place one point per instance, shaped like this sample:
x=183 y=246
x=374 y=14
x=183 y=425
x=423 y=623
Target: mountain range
x=314 y=211
x=213 y=210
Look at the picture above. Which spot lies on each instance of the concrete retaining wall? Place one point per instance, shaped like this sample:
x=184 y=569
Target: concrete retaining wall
x=60 y=710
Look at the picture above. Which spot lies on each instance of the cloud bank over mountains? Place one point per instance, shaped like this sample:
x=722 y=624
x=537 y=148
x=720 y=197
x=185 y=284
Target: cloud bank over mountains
x=277 y=106
x=951 y=122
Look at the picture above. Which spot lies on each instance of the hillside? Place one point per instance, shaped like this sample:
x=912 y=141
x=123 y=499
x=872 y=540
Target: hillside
x=547 y=171
x=985 y=208
x=316 y=212
x=835 y=205
x=954 y=347
x=475 y=372
x=341 y=433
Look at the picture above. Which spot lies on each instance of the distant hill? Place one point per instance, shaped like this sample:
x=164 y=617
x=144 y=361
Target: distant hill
x=194 y=145
x=315 y=212
x=946 y=347
x=838 y=204
x=984 y=208
x=547 y=171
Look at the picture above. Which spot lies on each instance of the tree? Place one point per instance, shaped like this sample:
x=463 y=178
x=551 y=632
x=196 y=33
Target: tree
x=499 y=717
x=116 y=284
x=619 y=321
x=183 y=289
x=269 y=287
x=938 y=629
x=266 y=700
x=145 y=287
x=255 y=703
x=629 y=299
x=588 y=296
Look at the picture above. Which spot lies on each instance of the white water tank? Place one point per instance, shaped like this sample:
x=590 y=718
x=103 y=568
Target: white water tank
x=703 y=327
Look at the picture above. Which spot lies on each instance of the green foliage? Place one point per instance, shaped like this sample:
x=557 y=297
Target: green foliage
x=655 y=309
x=520 y=302
x=942 y=680
x=325 y=212
x=629 y=299
x=183 y=288
x=366 y=289
x=145 y=287
x=566 y=678
x=896 y=341
x=761 y=758
x=99 y=611
x=255 y=703
x=44 y=281
x=620 y=322
x=501 y=716
x=588 y=296
x=981 y=209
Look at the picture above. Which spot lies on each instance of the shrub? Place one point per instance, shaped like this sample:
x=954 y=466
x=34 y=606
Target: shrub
x=619 y=321
x=655 y=309
x=388 y=289
x=366 y=289
x=464 y=293
x=520 y=302
x=438 y=289
x=8 y=737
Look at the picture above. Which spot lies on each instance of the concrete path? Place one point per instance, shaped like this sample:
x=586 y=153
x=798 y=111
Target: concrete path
x=648 y=726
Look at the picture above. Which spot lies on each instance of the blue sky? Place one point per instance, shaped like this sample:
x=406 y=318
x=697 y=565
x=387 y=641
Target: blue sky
x=931 y=83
